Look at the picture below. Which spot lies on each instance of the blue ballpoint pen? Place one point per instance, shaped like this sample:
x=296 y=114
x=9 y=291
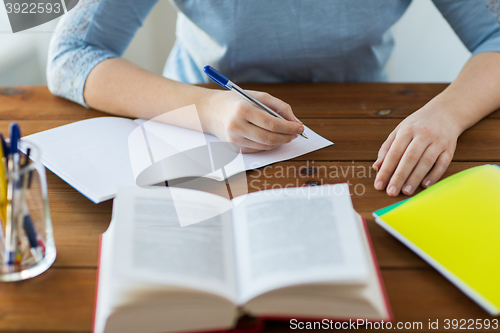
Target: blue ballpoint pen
x=25 y=217
x=224 y=82
x=31 y=233
x=13 y=169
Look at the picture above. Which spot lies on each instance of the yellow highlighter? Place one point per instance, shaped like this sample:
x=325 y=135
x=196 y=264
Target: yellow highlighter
x=3 y=185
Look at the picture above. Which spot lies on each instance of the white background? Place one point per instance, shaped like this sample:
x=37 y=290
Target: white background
x=427 y=50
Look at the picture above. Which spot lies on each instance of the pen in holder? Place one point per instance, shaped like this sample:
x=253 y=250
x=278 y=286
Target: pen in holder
x=26 y=236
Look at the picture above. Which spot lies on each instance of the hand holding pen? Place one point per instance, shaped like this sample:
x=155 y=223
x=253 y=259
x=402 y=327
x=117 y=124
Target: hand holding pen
x=254 y=121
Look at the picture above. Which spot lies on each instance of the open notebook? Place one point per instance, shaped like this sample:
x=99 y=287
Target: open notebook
x=98 y=155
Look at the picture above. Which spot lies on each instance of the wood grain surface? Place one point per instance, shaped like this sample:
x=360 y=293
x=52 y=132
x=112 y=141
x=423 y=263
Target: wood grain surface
x=356 y=116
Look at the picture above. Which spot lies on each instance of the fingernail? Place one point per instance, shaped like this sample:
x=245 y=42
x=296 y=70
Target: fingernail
x=408 y=189
x=427 y=183
x=301 y=130
x=375 y=167
x=392 y=190
x=379 y=185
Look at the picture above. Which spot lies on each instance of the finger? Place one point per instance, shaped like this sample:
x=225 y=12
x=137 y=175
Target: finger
x=276 y=104
x=267 y=138
x=244 y=129
x=249 y=150
x=439 y=169
x=252 y=146
x=273 y=124
x=423 y=167
x=383 y=150
x=405 y=166
x=392 y=159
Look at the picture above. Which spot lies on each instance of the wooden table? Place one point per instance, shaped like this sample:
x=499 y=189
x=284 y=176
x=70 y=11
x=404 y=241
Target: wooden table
x=356 y=116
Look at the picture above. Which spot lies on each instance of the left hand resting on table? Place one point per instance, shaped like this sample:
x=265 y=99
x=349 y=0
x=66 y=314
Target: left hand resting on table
x=421 y=147
x=418 y=151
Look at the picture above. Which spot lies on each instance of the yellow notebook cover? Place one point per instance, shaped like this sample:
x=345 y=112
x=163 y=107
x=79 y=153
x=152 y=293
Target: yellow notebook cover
x=455 y=226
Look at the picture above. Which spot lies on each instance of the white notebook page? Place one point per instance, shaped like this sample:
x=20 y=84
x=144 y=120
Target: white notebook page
x=93 y=155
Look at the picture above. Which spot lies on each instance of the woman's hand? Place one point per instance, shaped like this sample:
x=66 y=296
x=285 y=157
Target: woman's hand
x=421 y=147
x=235 y=120
x=418 y=151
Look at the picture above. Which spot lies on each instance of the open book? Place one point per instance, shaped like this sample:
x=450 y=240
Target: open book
x=284 y=253
x=98 y=155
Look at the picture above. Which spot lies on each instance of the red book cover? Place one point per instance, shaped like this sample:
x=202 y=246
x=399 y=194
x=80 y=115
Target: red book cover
x=97 y=282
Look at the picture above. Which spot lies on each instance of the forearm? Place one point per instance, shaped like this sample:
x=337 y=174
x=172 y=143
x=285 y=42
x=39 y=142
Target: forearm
x=121 y=88
x=474 y=94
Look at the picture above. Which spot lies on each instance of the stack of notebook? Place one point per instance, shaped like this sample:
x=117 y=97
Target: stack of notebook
x=455 y=226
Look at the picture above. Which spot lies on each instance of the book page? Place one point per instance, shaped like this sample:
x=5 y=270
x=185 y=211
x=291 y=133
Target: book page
x=292 y=236
x=327 y=300
x=153 y=250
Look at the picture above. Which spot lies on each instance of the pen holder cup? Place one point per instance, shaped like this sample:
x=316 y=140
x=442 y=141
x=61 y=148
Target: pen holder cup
x=28 y=247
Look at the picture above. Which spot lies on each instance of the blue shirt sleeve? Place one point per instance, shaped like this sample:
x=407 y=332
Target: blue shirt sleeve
x=88 y=34
x=474 y=21
x=97 y=30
